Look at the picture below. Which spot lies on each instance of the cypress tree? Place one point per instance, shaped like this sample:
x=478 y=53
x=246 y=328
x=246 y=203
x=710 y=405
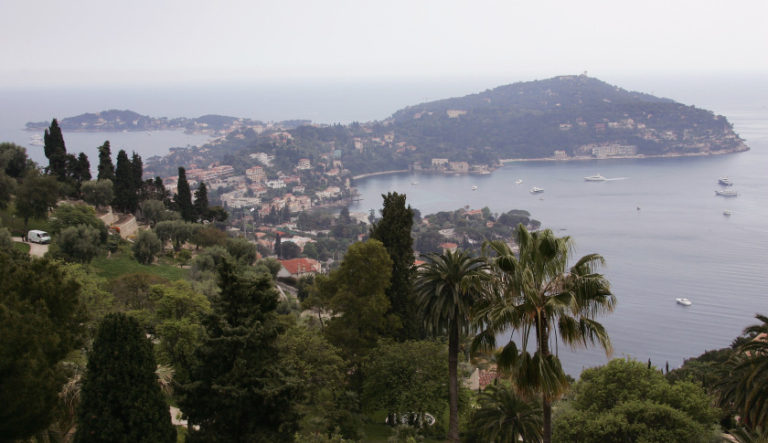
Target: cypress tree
x=394 y=230
x=277 y=245
x=137 y=170
x=126 y=199
x=83 y=168
x=237 y=391
x=106 y=168
x=55 y=150
x=184 y=197
x=121 y=400
x=201 y=201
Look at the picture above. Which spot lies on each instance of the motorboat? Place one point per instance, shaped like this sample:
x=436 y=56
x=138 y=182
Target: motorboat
x=536 y=190
x=595 y=178
x=726 y=193
x=727 y=213
x=518 y=181
x=683 y=301
x=474 y=187
x=725 y=181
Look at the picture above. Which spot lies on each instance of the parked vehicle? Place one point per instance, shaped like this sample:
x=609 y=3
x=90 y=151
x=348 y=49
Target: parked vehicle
x=35 y=236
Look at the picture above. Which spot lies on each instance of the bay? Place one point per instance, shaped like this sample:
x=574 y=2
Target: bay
x=660 y=227
x=678 y=244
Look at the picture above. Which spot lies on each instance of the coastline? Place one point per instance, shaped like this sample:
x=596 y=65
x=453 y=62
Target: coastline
x=373 y=174
x=553 y=159
x=620 y=157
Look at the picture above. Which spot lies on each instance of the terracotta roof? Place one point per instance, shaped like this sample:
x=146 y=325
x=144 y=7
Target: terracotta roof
x=298 y=266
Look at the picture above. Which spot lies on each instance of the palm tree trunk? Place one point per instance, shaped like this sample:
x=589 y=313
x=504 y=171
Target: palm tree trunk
x=453 y=383
x=546 y=407
x=546 y=403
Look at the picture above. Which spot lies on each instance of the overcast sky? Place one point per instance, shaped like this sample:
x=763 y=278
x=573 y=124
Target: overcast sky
x=103 y=41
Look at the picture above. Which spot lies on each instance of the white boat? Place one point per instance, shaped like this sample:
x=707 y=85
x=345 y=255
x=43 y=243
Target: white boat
x=536 y=190
x=683 y=301
x=726 y=193
x=36 y=140
x=727 y=213
x=725 y=181
x=518 y=181
x=595 y=178
x=414 y=183
x=474 y=187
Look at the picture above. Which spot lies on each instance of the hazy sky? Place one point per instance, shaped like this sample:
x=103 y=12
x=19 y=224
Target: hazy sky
x=103 y=41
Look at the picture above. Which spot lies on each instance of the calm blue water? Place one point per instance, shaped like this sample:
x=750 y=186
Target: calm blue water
x=678 y=244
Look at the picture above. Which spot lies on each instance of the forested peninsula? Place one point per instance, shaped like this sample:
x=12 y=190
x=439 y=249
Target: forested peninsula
x=561 y=118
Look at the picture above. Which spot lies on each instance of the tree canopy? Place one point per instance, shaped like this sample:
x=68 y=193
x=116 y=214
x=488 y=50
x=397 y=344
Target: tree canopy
x=121 y=398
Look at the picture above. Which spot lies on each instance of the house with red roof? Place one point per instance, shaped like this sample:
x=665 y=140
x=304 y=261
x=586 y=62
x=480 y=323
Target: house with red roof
x=299 y=267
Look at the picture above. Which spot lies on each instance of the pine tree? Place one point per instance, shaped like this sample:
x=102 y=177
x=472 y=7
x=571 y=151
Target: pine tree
x=121 y=400
x=55 y=150
x=184 y=197
x=126 y=199
x=106 y=168
x=237 y=391
x=394 y=230
x=201 y=201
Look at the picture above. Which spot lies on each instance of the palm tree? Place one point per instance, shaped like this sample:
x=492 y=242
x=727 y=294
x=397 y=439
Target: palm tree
x=745 y=384
x=447 y=285
x=536 y=294
x=505 y=416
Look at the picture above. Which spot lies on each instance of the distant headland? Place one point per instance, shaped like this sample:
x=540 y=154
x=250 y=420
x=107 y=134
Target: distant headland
x=563 y=118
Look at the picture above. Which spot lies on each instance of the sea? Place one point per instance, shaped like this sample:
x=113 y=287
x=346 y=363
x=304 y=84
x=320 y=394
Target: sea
x=658 y=223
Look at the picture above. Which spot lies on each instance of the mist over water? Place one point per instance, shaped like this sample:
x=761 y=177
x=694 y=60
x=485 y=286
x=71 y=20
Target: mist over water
x=678 y=244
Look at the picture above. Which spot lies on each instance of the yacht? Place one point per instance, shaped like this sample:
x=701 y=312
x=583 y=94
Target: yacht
x=727 y=213
x=536 y=190
x=518 y=181
x=595 y=178
x=683 y=301
x=36 y=140
x=474 y=187
x=725 y=181
x=726 y=193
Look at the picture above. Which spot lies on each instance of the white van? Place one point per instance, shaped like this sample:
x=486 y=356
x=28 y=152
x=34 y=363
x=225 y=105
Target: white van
x=35 y=236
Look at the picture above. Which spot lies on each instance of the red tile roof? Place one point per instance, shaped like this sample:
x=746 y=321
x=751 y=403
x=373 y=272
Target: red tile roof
x=298 y=266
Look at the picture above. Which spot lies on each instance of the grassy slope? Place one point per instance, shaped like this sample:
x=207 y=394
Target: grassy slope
x=121 y=263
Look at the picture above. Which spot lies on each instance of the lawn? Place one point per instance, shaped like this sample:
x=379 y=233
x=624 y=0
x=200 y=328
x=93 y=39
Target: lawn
x=120 y=263
x=23 y=247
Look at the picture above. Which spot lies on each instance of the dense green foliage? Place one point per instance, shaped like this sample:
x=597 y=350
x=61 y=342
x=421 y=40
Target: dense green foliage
x=80 y=243
x=504 y=416
x=183 y=197
x=106 y=169
x=55 y=151
x=121 y=399
x=36 y=196
x=354 y=294
x=393 y=229
x=41 y=321
x=627 y=401
x=324 y=398
x=535 y=293
x=146 y=247
x=447 y=286
x=407 y=377
x=237 y=392
x=98 y=193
